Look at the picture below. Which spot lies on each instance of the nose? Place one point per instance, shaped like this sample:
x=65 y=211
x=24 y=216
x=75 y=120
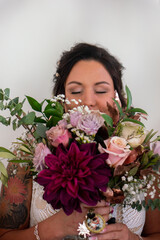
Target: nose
x=89 y=99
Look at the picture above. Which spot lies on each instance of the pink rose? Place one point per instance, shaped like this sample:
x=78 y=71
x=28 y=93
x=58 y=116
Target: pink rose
x=57 y=135
x=156 y=147
x=117 y=149
x=41 y=151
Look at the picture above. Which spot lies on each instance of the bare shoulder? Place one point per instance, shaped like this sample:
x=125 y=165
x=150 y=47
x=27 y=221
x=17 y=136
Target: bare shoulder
x=15 y=199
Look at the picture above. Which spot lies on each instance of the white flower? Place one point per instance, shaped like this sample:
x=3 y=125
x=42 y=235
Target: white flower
x=83 y=230
x=130 y=178
x=123 y=178
x=133 y=133
x=148 y=186
x=125 y=187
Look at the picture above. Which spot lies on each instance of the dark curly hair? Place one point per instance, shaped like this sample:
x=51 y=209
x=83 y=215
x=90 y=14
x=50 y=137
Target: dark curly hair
x=85 y=51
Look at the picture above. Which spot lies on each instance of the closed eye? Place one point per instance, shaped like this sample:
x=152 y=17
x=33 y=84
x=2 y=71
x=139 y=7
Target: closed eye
x=77 y=92
x=100 y=92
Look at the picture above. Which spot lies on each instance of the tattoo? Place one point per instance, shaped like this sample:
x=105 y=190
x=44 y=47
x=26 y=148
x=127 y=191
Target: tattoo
x=15 y=198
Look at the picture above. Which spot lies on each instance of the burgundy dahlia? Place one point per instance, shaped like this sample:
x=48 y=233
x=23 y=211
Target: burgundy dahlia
x=74 y=176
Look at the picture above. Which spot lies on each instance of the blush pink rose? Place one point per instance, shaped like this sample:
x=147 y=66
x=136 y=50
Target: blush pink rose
x=57 y=135
x=117 y=149
x=41 y=151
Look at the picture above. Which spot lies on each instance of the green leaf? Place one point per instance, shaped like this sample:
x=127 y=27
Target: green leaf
x=39 y=120
x=119 y=107
x=149 y=136
x=133 y=120
x=1 y=95
x=5 y=153
x=129 y=98
x=14 y=125
x=52 y=112
x=41 y=130
x=16 y=109
x=7 y=93
x=133 y=171
x=28 y=119
x=4 y=121
x=34 y=104
x=3 y=169
x=53 y=121
x=139 y=110
x=107 y=119
x=59 y=107
x=25 y=149
x=144 y=160
x=21 y=161
x=1 y=105
x=4 y=179
x=14 y=101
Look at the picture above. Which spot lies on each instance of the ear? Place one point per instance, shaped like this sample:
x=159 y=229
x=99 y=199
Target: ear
x=116 y=97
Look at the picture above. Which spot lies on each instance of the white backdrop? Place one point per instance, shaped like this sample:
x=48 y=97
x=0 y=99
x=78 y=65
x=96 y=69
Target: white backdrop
x=33 y=33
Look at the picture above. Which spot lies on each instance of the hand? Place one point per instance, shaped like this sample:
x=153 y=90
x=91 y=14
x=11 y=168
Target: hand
x=118 y=231
x=70 y=223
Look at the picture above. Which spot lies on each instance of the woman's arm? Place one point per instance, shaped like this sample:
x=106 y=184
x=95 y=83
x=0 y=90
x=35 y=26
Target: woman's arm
x=151 y=229
x=16 y=198
x=15 y=208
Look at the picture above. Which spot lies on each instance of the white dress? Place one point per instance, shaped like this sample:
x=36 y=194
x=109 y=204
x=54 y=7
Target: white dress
x=40 y=210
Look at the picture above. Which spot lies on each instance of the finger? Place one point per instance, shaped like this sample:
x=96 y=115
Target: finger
x=115 y=227
x=106 y=236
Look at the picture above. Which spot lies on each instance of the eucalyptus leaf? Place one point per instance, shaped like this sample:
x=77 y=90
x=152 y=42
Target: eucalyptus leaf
x=28 y=119
x=34 y=104
x=1 y=105
x=6 y=93
x=14 y=101
x=1 y=94
x=41 y=130
x=4 y=121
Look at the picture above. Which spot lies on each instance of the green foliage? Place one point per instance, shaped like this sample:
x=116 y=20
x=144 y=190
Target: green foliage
x=132 y=120
x=5 y=153
x=34 y=104
x=108 y=120
x=3 y=174
x=129 y=98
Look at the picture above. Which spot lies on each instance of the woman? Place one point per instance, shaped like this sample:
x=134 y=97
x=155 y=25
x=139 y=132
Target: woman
x=89 y=73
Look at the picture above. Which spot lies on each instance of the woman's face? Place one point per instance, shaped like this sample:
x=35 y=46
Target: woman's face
x=90 y=82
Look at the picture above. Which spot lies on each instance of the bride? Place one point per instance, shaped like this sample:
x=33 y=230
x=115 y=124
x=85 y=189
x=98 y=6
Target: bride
x=89 y=73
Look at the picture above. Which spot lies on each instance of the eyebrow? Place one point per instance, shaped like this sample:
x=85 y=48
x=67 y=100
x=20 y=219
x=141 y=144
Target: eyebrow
x=98 y=83
x=74 y=82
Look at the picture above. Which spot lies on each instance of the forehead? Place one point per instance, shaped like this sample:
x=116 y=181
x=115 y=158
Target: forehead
x=89 y=71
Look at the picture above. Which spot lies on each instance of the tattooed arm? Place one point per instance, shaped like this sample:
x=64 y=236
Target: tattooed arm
x=15 y=203
x=15 y=199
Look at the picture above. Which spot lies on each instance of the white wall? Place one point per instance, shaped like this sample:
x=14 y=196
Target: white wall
x=33 y=33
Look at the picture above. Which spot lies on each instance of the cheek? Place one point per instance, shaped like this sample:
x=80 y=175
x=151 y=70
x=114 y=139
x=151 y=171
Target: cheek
x=102 y=104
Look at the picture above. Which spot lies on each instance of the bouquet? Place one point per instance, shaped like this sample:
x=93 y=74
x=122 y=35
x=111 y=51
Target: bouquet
x=83 y=156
